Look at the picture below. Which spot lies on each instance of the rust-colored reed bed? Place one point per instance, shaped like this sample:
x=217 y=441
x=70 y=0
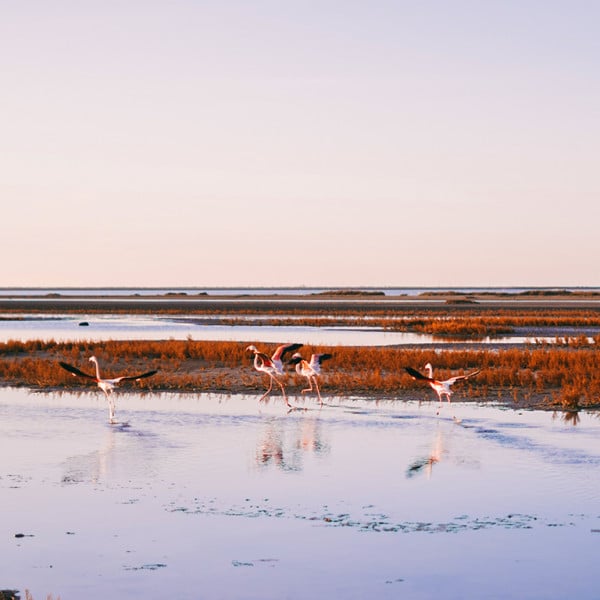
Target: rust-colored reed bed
x=566 y=375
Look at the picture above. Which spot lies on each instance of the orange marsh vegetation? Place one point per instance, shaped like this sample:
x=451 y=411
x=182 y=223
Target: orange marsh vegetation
x=565 y=375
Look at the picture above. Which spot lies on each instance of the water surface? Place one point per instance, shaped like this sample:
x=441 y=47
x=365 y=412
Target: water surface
x=63 y=328
x=269 y=291
x=213 y=496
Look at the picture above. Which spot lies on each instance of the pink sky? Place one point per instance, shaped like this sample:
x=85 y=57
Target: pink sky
x=299 y=143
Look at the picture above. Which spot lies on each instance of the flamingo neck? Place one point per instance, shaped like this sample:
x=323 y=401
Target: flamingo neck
x=97 y=369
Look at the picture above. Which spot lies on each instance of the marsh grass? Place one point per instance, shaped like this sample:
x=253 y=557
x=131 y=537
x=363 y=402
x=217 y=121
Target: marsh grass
x=545 y=374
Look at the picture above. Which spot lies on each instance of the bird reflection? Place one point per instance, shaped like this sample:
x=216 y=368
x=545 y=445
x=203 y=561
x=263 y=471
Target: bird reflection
x=425 y=464
x=270 y=447
x=122 y=451
x=92 y=467
x=285 y=445
x=442 y=450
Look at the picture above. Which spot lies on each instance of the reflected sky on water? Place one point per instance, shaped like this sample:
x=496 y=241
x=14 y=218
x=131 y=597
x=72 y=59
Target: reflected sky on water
x=218 y=496
x=144 y=327
x=267 y=291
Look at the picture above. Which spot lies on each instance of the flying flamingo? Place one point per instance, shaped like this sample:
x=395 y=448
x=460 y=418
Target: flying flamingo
x=441 y=387
x=106 y=385
x=311 y=370
x=273 y=366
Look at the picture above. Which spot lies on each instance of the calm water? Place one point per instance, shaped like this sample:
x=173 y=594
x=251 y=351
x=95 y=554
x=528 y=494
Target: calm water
x=216 y=497
x=140 y=327
x=193 y=291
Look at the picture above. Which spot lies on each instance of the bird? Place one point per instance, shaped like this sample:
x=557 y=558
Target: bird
x=441 y=387
x=106 y=385
x=311 y=370
x=272 y=366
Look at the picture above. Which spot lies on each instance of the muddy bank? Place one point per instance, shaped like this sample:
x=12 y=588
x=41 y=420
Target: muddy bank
x=319 y=303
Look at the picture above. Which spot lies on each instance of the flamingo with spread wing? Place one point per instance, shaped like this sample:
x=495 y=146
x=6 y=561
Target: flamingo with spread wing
x=106 y=385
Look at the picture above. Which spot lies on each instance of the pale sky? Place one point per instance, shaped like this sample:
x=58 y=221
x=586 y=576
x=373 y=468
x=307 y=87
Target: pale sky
x=287 y=142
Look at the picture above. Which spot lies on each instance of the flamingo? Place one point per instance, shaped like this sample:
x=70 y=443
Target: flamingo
x=273 y=366
x=441 y=387
x=106 y=385
x=311 y=370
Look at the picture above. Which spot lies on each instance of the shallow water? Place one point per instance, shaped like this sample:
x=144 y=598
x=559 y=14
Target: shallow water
x=212 y=496
x=278 y=291
x=141 y=327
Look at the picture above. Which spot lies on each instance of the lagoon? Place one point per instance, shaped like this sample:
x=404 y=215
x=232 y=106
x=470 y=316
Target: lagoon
x=64 y=328
x=212 y=496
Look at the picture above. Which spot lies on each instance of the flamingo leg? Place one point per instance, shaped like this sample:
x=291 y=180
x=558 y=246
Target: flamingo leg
x=269 y=390
x=309 y=389
x=283 y=392
x=318 y=392
x=111 y=407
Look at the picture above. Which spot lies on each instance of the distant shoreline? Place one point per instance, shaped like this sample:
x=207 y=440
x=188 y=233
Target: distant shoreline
x=173 y=302
x=15 y=292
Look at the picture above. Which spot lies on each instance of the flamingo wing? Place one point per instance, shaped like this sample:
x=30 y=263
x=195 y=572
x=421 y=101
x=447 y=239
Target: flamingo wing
x=135 y=377
x=453 y=380
x=417 y=375
x=317 y=359
x=266 y=361
x=75 y=371
x=282 y=350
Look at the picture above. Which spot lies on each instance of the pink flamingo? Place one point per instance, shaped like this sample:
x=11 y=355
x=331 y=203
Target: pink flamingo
x=106 y=385
x=272 y=366
x=311 y=370
x=441 y=386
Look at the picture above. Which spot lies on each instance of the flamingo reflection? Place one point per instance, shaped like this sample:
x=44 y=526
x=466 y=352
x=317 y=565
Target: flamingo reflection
x=285 y=445
x=122 y=451
x=441 y=450
x=425 y=464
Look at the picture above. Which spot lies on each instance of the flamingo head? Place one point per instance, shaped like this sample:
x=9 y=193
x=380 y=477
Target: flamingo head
x=429 y=368
x=252 y=348
x=93 y=359
x=295 y=358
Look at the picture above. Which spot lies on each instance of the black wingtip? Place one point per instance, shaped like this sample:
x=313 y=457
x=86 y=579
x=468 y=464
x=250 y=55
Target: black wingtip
x=414 y=373
x=67 y=367
x=148 y=374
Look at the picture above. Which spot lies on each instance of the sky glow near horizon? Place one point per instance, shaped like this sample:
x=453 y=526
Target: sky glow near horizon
x=300 y=143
